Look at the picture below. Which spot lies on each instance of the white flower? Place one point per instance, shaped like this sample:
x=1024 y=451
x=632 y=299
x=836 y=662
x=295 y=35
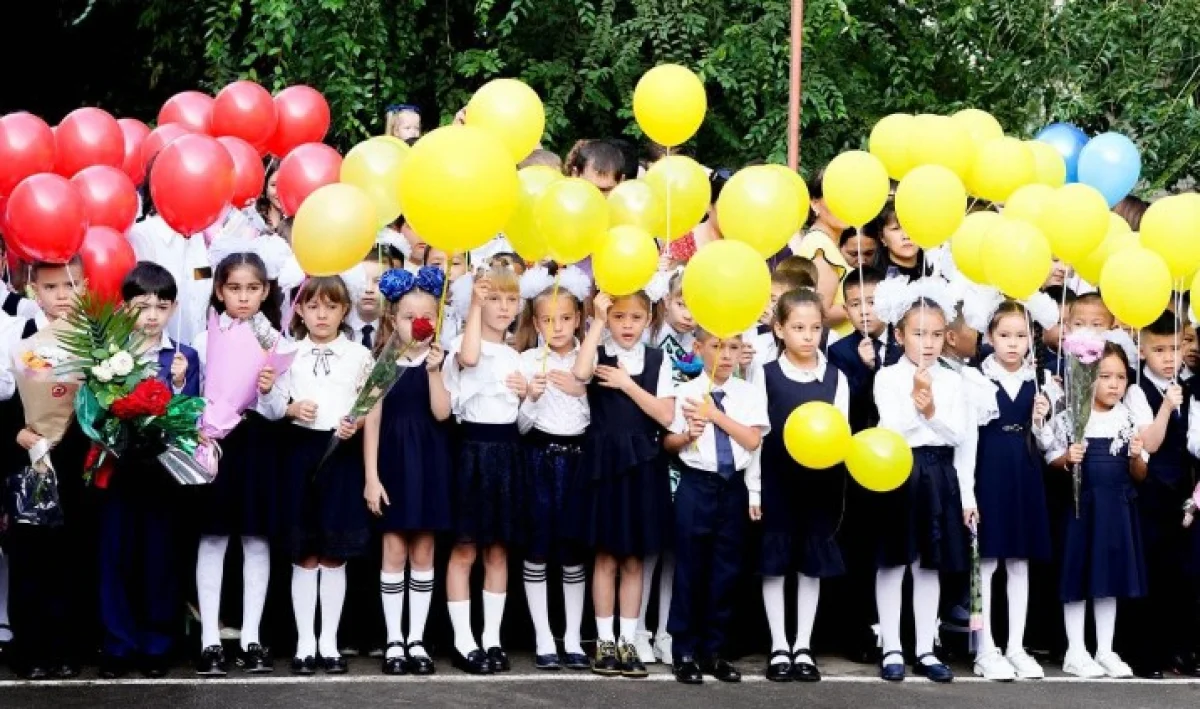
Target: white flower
x=103 y=372
x=121 y=363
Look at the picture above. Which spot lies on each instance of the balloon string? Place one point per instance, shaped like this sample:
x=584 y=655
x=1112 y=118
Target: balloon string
x=1062 y=325
x=667 y=230
x=437 y=330
x=1037 y=385
x=553 y=319
x=862 y=292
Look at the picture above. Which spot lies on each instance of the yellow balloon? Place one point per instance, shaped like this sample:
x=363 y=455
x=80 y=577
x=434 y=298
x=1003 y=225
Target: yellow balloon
x=459 y=188
x=1091 y=266
x=726 y=286
x=522 y=231
x=889 y=142
x=1075 y=220
x=817 y=435
x=374 y=166
x=800 y=188
x=669 y=104
x=1171 y=228
x=981 y=125
x=1117 y=224
x=511 y=111
x=855 y=187
x=334 y=229
x=625 y=260
x=683 y=191
x=758 y=206
x=572 y=216
x=1136 y=286
x=1016 y=258
x=930 y=204
x=939 y=140
x=1001 y=166
x=966 y=246
x=879 y=459
x=395 y=141
x=1028 y=202
x=634 y=203
x=1049 y=167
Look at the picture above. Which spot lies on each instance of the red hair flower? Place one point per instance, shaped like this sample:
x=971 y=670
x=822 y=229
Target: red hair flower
x=422 y=329
x=149 y=398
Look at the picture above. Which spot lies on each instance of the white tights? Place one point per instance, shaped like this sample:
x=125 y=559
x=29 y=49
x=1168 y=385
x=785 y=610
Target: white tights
x=889 y=588
x=1018 y=602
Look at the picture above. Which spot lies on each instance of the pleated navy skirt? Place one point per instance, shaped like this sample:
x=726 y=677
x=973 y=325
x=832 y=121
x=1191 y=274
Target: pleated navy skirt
x=414 y=462
x=244 y=499
x=490 y=485
x=324 y=512
x=801 y=512
x=556 y=497
x=922 y=519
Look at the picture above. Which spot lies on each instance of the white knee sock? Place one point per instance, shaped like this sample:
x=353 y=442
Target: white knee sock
x=1018 y=603
x=808 y=592
x=1105 y=612
x=628 y=628
x=648 y=565
x=539 y=612
x=987 y=569
x=256 y=576
x=391 y=588
x=420 y=596
x=573 y=587
x=333 y=597
x=304 y=606
x=926 y=593
x=460 y=620
x=889 y=589
x=772 y=590
x=210 y=568
x=666 y=585
x=5 y=633
x=1074 y=619
x=493 y=615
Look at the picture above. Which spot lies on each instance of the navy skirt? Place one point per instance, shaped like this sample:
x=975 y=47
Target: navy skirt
x=629 y=510
x=1013 y=518
x=490 y=485
x=922 y=519
x=802 y=510
x=414 y=468
x=324 y=512
x=556 y=497
x=244 y=499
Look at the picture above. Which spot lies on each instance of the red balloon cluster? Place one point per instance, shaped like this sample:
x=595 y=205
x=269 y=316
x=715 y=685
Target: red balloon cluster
x=245 y=110
x=303 y=117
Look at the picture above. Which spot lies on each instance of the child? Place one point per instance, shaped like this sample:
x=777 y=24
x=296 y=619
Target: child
x=597 y=161
x=1014 y=526
x=544 y=158
x=631 y=400
x=403 y=121
x=242 y=500
x=407 y=453
x=719 y=423
x=186 y=257
x=860 y=354
x=1103 y=558
x=326 y=523
x=858 y=248
x=363 y=319
x=962 y=341
x=508 y=259
x=762 y=342
x=800 y=509
x=921 y=524
x=553 y=418
x=486 y=387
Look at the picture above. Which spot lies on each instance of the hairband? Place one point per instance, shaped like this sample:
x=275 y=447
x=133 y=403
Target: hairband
x=395 y=283
x=980 y=303
x=538 y=280
x=398 y=107
x=894 y=297
x=659 y=286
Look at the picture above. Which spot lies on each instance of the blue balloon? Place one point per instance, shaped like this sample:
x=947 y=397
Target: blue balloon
x=1068 y=140
x=1112 y=164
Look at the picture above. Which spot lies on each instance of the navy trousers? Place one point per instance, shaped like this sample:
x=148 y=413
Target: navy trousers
x=710 y=526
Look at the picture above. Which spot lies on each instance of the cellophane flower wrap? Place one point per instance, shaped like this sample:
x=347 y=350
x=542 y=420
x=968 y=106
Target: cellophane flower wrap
x=1083 y=349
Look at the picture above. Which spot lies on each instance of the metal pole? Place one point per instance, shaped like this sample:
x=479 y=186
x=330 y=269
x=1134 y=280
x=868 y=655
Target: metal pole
x=794 y=94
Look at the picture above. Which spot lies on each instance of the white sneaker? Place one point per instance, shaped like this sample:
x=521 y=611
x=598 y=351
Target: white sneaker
x=642 y=644
x=662 y=649
x=1082 y=665
x=1025 y=665
x=991 y=665
x=1114 y=666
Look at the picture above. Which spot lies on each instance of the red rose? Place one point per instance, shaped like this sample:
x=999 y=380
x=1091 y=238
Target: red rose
x=149 y=398
x=422 y=329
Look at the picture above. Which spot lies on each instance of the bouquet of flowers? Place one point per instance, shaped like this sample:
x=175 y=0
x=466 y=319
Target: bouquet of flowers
x=1083 y=349
x=121 y=405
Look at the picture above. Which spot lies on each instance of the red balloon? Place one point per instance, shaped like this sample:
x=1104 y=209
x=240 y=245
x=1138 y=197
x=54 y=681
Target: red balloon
x=45 y=218
x=303 y=118
x=191 y=183
x=109 y=197
x=248 y=171
x=135 y=133
x=244 y=110
x=190 y=109
x=86 y=137
x=305 y=169
x=107 y=260
x=26 y=148
x=158 y=139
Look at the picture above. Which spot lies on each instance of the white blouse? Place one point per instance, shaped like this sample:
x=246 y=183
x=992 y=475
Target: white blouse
x=555 y=412
x=1119 y=423
x=329 y=375
x=479 y=394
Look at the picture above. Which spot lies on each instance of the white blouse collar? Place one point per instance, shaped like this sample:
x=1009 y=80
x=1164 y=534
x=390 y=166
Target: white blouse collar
x=791 y=371
x=612 y=349
x=992 y=369
x=338 y=346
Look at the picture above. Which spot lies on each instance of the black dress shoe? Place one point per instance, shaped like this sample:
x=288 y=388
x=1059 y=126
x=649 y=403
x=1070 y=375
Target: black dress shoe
x=937 y=672
x=335 y=665
x=212 y=662
x=256 y=660
x=687 y=671
x=779 y=671
x=576 y=661
x=723 y=670
x=475 y=663
x=1147 y=671
x=155 y=667
x=397 y=665
x=498 y=659
x=113 y=667
x=551 y=662
x=304 y=666
x=35 y=673
x=419 y=664
x=803 y=668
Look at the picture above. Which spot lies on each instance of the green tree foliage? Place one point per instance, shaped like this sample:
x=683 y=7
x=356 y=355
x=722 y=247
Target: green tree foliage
x=1124 y=65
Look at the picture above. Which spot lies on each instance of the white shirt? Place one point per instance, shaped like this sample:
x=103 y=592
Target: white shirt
x=555 y=412
x=743 y=403
x=634 y=361
x=329 y=375
x=153 y=350
x=952 y=424
x=479 y=394
x=186 y=258
x=357 y=324
x=1135 y=398
x=1119 y=423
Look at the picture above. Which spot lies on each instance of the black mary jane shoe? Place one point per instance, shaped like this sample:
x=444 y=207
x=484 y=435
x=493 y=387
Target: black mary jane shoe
x=937 y=672
x=576 y=661
x=804 y=670
x=212 y=662
x=891 y=671
x=256 y=660
x=498 y=659
x=335 y=665
x=779 y=671
x=155 y=667
x=304 y=666
x=419 y=664
x=722 y=670
x=113 y=667
x=687 y=671
x=475 y=663
x=549 y=662
x=397 y=665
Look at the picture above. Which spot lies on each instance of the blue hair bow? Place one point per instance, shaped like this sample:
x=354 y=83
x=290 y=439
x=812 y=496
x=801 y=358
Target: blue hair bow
x=395 y=283
x=431 y=280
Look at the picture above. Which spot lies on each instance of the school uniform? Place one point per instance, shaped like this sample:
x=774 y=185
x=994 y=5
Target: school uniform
x=766 y=346
x=490 y=472
x=860 y=378
x=18 y=306
x=361 y=331
x=711 y=512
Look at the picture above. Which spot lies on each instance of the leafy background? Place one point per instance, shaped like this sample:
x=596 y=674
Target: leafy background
x=1126 y=65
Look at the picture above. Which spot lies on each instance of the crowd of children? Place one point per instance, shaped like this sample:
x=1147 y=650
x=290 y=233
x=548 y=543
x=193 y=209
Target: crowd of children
x=563 y=432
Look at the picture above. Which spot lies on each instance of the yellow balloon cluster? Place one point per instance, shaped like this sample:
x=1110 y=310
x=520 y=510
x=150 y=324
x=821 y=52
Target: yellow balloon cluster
x=374 y=166
x=940 y=140
x=1028 y=202
x=682 y=191
x=930 y=203
x=1000 y=167
x=334 y=229
x=800 y=188
x=522 y=231
x=817 y=435
x=512 y=112
x=1016 y=258
x=1091 y=266
x=572 y=216
x=726 y=286
x=758 y=206
x=1048 y=165
x=879 y=459
x=669 y=104
x=855 y=187
x=625 y=260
